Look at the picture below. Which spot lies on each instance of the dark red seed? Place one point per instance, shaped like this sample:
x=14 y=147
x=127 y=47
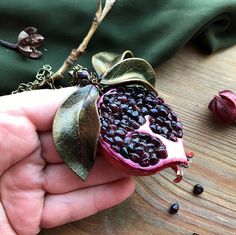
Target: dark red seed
x=162 y=152
x=116 y=148
x=154 y=111
x=160 y=120
x=121 y=132
x=123 y=99
x=163 y=112
x=110 y=133
x=127 y=140
x=114 y=107
x=134 y=157
x=174 y=208
x=139 y=150
x=124 y=152
x=134 y=124
x=164 y=130
x=141 y=120
x=135 y=113
x=131 y=146
x=156 y=142
x=154 y=159
x=116 y=121
x=144 y=110
x=108 y=139
x=118 y=140
x=113 y=127
x=145 y=160
x=124 y=106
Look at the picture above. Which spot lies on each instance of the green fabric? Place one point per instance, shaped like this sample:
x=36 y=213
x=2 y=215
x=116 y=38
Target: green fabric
x=153 y=30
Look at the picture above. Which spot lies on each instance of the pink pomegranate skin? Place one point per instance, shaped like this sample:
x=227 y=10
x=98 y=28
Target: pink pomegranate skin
x=152 y=151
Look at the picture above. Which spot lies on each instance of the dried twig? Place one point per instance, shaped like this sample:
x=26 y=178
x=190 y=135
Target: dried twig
x=75 y=53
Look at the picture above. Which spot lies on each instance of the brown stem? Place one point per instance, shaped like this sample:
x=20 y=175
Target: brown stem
x=8 y=44
x=75 y=53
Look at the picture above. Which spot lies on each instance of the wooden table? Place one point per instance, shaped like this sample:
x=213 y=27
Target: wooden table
x=187 y=82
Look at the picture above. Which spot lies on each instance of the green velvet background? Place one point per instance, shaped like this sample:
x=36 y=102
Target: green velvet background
x=153 y=29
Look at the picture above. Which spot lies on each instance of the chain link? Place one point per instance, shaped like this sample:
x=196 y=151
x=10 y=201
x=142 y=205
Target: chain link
x=43 y=77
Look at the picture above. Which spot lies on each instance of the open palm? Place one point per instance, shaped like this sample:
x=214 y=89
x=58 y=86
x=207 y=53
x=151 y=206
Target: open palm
x=36 y=189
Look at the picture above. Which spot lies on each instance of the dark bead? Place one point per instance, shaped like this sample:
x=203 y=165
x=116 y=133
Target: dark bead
x=136 y=139
x=124 y=106
x=160 y=120
x=174 y=208
x=141 y=120
x=105 y=124
x=118 y=103
x=168 y=124
x=144 y=110
x=124 y=152
x=140 y=95
x=135 y=113
x=195 y=234
x=156 y=142
x=125 y=117
x=145 y=160
x=114 y=107
x=134 y=124
x=139 y=150
x=123 y=99
x=154 y=159
x=180 y=134
x=121 y=132
x=113 y=127
x=158 y=129
x=127 y=140
x=110 y=133
x=154 y=111
x=124 y=122
x=108 y=139
x=118 y=140
x=153 y=127
x=163 y=111
x=116 y=148
x=117 y=122
x=164 y=130
x=149 y=99
x=162 y=153
x=198 y=189
x=131 y=146
x=179 y=126
x=134 y=157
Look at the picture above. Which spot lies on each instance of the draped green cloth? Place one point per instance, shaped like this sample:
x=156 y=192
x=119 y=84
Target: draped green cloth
x=153 y=30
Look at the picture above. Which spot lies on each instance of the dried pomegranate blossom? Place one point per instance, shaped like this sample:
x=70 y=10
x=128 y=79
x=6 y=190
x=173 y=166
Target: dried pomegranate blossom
x=140 y=133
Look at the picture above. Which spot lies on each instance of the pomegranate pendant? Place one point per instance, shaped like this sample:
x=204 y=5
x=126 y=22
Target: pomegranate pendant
x=119 y=111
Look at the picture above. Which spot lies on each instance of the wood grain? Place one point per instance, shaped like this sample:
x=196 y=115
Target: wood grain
x=187 y=82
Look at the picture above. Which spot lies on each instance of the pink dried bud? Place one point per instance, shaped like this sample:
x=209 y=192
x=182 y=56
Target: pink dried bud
x=223 y=107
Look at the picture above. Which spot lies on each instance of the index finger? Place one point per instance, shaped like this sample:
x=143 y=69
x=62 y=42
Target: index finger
x=38 y=106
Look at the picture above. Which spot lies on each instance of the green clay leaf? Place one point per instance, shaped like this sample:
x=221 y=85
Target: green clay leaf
x=103 y=61
x=76 y=129
x=128 y=70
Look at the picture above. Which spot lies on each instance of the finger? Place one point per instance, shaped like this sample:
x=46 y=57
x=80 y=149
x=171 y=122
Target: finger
x=65 y=208
x=60 y=179
x=49 y=153
x=38 y=106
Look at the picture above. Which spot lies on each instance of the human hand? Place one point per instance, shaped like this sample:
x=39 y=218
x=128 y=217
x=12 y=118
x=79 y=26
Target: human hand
x=37 y=190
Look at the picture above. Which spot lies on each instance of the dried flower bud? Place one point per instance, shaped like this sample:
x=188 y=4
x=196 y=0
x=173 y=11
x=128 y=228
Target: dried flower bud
x=28 y=41
x=223 y=107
